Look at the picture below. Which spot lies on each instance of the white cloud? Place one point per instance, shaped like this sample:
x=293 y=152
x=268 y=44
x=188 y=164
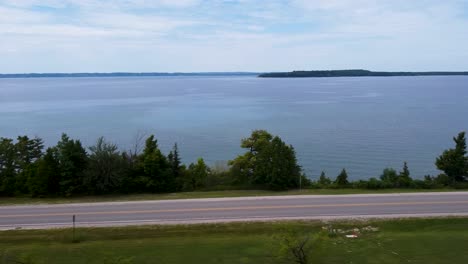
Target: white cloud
x=150 y=23
x=101 y=3
x=33 y=3
x=193 y=35
x=12 y=15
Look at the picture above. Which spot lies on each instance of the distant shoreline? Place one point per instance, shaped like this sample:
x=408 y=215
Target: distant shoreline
x=126 y=74
x=355 y=73
x=293 y=74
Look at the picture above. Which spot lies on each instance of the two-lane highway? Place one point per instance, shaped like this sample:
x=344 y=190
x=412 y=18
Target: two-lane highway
x=235 y=209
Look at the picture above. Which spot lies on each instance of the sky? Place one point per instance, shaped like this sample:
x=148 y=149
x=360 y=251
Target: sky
x=232 y=35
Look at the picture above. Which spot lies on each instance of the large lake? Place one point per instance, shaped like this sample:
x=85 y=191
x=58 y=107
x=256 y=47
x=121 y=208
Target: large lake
x=361 y=124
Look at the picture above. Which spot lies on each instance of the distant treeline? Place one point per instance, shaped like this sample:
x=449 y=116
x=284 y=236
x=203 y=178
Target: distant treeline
x=124 y=74
x=269 y=163
x=352 y=73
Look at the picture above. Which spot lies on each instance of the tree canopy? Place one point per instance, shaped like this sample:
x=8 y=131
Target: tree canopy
x=268 y=162
x=454 y=162
x=68 y=168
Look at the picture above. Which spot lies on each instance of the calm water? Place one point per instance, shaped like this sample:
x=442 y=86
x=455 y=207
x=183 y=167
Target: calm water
x=361 y=124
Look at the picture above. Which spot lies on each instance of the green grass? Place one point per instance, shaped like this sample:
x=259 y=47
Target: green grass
x=441 y=240
x=207 y=194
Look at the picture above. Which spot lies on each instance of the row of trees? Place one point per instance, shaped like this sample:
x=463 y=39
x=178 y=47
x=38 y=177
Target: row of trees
x=453 y=162
x=390 y=178
x=268 y=163
x=69 y=169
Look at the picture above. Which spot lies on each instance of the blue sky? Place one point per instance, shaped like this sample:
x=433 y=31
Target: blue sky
x=232 y=35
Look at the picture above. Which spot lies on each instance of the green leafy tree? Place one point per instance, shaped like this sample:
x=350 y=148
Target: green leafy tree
x=7 y=166
x=324 y=180
x=27 y=151
x=46 y=180
x=72 y=159
x=342 y=179
x=389 y=177
x=269 y=162
x=243 y=167
x=292 y=246
x=17 y=163
x=277 y=166
x=196 y=175
x=105 y=168
x=454 y=161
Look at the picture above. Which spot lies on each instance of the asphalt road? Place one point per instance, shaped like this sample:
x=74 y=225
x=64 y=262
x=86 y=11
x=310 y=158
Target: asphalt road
x=235 y=209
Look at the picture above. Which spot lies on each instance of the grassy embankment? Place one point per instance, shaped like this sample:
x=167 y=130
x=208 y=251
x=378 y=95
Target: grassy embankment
x=397 y=241
x=207 y=194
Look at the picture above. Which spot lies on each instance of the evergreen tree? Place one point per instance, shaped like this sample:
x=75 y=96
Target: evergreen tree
x=72 y=159
x=17 y=163
x=175 y=167
x=404 y=178
x=46 y=180
x=27 y=151
x=324 y=180
x=155 y=167
x=342 y=179
x=454 y=161
x=7 y=166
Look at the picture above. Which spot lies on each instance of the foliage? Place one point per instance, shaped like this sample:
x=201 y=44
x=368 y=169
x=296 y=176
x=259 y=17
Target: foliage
x=72 y=161
x=324 y=181
x=350 y=73
x=47 y=177
x=176 y=168
x=268 y=162
x=342 y=179
x=404 y=178
x=17 y=163
x=197 y=175
x=294 y=246
x=67 y=169
x=389 y=177
x=155 y=167
x=454 y=162
x=243 y=167
x=105 y=168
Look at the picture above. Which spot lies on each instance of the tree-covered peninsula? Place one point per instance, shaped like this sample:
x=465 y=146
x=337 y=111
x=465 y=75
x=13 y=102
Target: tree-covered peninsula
x=354 y=73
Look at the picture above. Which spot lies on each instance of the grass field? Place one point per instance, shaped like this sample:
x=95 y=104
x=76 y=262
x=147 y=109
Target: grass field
x=207 y=194
x=442 y=240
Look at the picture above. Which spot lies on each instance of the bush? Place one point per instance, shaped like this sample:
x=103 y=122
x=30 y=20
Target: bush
x=218 y=178
x=361 y=184
x=460 y=185
x=315 y=185
x=374 y=183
